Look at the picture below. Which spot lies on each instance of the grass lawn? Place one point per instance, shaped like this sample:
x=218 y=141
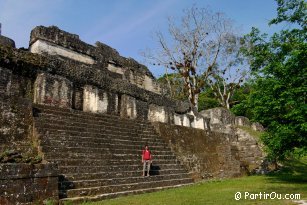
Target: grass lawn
x=291 y=180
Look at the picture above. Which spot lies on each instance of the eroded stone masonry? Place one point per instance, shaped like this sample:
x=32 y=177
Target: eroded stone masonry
x=74 y=118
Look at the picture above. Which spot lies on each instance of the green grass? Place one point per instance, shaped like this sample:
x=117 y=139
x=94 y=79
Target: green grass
x=254 y=133
x=292 y=179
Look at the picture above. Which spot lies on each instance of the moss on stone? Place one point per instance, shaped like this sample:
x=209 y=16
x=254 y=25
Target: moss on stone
x=249 y=130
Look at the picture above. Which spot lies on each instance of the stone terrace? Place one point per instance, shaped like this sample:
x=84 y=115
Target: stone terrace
x=87 y=111
x=99 y=155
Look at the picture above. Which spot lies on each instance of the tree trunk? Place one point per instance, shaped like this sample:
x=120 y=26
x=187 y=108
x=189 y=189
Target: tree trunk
x=196 y=101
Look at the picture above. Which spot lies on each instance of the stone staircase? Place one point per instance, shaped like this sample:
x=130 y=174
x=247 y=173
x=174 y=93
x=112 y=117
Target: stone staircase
x=99 y=156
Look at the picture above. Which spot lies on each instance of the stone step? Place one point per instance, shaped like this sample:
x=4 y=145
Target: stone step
x=138 y=161
x=90 y=123
x=39 y=109
x=92 y=191
x=111 y=163
x=111 y=145
x=119 y=168
x=102 y=137
x=114 y=130
x=67 y=135
x=98 y=151
x=98 y=140
x=105 y=157
x=51 y=118
x=107 y=162
x=81 y=131
x=117 y=174
x=84 y=199
x=106 y=146
x=65 y=185
x=95 y=127
x=99 y=155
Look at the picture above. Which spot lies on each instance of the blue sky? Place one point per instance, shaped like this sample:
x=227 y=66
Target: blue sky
x=126 y=25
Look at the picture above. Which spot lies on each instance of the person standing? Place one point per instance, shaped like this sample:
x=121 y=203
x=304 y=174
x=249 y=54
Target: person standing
x=146 y=160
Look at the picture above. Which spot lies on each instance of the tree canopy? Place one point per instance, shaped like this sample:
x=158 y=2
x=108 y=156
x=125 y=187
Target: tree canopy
x=278 y=98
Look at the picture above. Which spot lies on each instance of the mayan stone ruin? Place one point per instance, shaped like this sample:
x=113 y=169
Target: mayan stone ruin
x=75 y=117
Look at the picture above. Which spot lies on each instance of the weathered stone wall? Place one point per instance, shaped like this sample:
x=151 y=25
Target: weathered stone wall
x=54 y=41
x=95 y=100
x=204 y=154
x=5 y=81
x=66 y=67
x=219 y=116
x=213 y=154
x=128 y=107
x=16 y=122
x=5 y=41
x=41 y=47
x=15 y=85
x=28 y=184
x=247 y=143
x=53 y=90
x=249 y=148
x=222 y=120
x=37 y=67
x=158 y=114
x=21 y=182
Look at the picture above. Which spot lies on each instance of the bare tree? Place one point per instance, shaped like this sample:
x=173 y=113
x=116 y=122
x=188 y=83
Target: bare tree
x=192 y=48
x=232 y=70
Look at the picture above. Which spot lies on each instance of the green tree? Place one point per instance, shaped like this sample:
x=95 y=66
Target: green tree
x=279 y=95
x=207 y=100
x=239 y=105
x=175 y=84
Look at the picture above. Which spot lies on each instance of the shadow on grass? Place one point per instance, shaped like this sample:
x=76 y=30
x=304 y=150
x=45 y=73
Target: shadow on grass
x=293 y=171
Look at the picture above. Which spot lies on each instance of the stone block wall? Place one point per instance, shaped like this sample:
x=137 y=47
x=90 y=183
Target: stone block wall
x=5 y=81
x=54 y=41
x=5 y=41
x=199 y=122
x=222 y=120
x=112 y=84
x=219 y=116
x=13 y=84
x=142 y=109
x=213 y=154
x=128 y=107
x=15 y=124
x=242 y=121
x=28 y=184
x=157 y=114
x=95 y=100
x=249 y=149
x=191 y=120
x=257 y=126
x=21 y=182
x=144 y=81
x=103 y=82
x=245 y=141
x=205 y=154
x=41 y=46
x=53 y=90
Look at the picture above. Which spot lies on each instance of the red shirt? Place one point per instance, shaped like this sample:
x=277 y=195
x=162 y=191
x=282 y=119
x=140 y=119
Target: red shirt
x=146 y=155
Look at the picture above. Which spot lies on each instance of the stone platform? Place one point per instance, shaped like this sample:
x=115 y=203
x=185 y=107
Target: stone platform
x=99 y=156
